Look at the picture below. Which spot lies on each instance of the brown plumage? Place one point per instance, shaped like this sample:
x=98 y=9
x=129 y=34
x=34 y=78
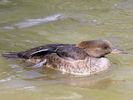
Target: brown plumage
x=85 y=58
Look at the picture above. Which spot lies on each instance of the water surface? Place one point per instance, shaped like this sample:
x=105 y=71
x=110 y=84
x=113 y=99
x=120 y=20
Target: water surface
x=25 y=24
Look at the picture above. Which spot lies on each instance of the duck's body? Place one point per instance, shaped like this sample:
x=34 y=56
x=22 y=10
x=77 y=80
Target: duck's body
x=87 y=66
x=86 y=58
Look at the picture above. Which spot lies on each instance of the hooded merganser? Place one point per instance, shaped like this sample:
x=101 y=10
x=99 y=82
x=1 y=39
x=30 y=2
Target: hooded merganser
x=85 y=58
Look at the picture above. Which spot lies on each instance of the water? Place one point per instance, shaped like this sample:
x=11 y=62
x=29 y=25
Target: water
x=25 y=24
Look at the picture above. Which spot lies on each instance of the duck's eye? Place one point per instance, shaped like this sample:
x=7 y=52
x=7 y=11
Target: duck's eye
x=105 y=47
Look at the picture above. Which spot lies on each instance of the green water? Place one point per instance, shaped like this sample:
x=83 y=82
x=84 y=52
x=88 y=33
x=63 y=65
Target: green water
x=29 y=23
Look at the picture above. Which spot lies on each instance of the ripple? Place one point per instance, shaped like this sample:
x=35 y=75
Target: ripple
x=6 y=79
x=4 y=2
x=72 y=96
x=34 y=22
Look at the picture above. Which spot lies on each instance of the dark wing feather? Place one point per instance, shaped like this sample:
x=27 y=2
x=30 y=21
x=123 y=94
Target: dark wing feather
x=71 y=52
x=41 y=50
x=62 y=50
x=37 y=51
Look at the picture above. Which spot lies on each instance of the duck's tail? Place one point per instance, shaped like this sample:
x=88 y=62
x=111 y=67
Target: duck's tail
x=10 y=55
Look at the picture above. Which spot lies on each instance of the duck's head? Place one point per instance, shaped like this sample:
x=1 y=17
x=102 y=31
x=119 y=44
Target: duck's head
x=98 y=48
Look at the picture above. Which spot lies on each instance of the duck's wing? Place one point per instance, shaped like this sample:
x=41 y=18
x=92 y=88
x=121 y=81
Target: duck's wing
x=71 y=52
x=37 y=51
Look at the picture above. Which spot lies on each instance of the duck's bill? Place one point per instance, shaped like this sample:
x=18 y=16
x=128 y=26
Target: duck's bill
x=117 y=51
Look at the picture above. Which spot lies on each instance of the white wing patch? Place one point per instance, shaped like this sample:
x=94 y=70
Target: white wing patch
x=39 y=51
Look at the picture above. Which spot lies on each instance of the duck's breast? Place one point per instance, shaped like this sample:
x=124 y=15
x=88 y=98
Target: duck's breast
x=87 y=66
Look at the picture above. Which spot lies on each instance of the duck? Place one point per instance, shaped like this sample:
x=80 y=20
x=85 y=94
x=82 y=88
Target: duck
x=84 y=58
